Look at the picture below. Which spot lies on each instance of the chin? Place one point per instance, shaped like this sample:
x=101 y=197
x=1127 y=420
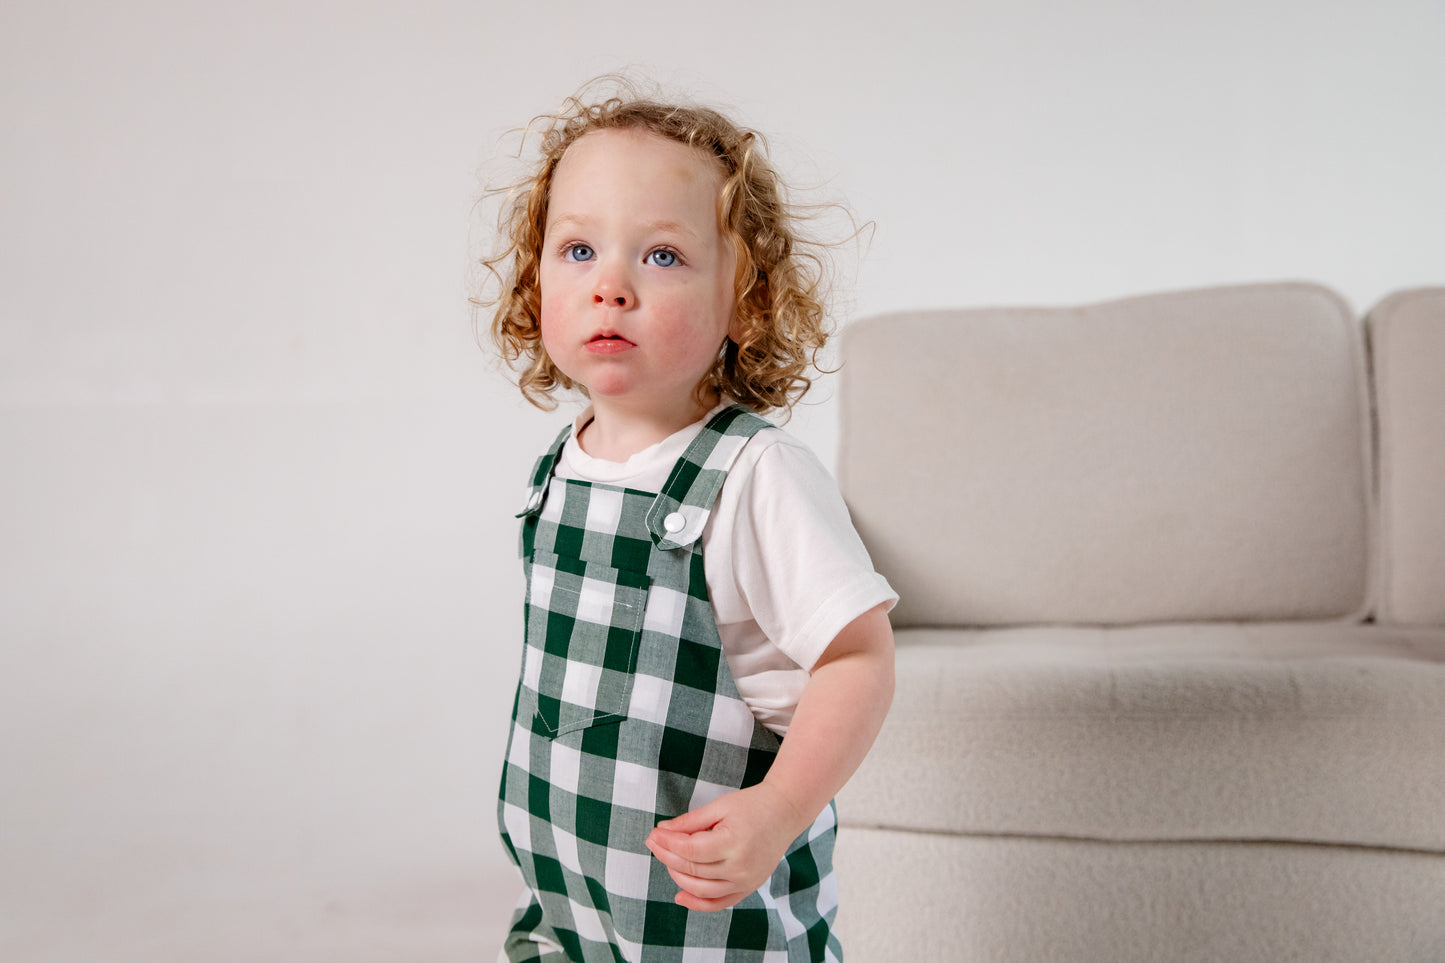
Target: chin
x=608 y=388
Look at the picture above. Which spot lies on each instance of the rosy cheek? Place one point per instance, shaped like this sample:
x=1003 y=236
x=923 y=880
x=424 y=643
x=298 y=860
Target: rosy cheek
x=550 y=309
x=548 y=321
x=671 y=319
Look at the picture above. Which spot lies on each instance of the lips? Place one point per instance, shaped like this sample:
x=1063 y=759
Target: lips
x=606 y=342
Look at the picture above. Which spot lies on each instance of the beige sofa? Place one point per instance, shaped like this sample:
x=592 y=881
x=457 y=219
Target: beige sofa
x=1171 y=644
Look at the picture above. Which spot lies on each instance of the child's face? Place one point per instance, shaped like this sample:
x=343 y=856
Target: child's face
x=637 y=279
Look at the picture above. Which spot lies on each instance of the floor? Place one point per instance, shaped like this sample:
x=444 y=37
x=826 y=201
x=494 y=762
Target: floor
x=428 y=921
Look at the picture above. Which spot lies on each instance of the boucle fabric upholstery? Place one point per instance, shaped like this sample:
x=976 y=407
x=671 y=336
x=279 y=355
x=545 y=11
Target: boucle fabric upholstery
x=1142 y=713
x=1306 y=732
x=1201 y=455
x=910 y=897
x=1407 y=339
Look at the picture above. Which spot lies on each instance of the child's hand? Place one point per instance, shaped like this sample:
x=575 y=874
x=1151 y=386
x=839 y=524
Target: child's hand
x=723 y=851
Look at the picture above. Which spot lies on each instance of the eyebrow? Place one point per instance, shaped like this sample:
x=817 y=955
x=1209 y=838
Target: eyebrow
x=661 y=225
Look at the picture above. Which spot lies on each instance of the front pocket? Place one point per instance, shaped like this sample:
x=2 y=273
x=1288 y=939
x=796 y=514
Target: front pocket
x=584 y=624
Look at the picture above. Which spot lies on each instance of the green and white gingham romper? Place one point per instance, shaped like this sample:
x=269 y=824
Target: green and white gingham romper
x=627 y=714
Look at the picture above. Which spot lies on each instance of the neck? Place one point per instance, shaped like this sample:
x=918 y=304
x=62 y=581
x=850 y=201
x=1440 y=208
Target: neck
x=617 y=432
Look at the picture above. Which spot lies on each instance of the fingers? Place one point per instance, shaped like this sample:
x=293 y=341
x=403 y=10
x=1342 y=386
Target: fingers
x=704 y=886
x=722 y=851
x=693 y=821
x=707 y=889
x=708 y=846
x=685 y=854
x=692 y=902
x=707 y=895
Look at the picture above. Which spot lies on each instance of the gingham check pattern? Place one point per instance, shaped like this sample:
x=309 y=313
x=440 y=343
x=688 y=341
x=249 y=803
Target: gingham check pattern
x=627 y=714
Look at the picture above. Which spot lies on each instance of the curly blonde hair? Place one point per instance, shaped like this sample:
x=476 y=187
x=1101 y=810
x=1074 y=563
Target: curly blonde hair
x=778 y=283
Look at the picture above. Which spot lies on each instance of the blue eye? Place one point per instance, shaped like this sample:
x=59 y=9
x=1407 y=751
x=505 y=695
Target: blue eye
x=662 y=258
x=579 y=252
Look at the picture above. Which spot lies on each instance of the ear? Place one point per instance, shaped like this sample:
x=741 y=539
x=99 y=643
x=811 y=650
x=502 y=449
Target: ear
x=737 y=326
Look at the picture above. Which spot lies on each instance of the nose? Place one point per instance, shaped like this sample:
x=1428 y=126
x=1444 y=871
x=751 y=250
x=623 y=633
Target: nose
x=613 y=289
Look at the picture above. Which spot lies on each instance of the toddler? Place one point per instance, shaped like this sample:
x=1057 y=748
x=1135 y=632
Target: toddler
x=695 y=589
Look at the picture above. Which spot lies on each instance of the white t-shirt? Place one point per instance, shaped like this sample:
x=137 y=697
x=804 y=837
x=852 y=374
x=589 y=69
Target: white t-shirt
x=785 y=570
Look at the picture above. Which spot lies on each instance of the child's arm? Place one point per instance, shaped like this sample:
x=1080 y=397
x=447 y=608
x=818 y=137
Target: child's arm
x=723 y=851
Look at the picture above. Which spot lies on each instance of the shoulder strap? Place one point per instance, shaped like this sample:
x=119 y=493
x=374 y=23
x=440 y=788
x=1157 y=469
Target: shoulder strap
x=542 y=472
x=681 y=509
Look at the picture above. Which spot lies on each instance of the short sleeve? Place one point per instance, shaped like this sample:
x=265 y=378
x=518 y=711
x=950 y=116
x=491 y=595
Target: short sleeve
x=782 y=551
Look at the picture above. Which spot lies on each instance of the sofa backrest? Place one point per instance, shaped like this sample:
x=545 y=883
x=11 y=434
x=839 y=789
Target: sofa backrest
x=1192 y=455
x=1407 y=344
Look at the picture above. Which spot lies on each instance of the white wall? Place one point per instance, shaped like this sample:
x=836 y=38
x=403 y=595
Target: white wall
x=258 y=599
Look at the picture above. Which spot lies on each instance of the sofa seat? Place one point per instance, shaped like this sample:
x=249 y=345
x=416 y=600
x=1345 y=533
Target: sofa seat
x=1171 y=630
x=1313 y=732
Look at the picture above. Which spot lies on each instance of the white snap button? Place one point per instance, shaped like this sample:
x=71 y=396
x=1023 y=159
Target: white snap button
x=674 y=523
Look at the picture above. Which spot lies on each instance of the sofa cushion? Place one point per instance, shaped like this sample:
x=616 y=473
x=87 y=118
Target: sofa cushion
x=1197 y=455
x=969 y=899
x=1407 y=339
x=1306 y=732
